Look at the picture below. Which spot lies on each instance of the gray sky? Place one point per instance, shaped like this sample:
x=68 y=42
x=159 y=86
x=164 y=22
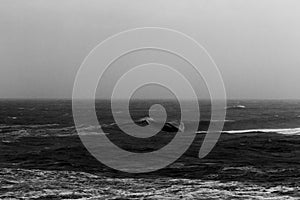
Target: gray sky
x=254 y=43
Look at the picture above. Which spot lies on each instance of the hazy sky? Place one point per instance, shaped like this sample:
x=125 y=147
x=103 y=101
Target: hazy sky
x=255 y=43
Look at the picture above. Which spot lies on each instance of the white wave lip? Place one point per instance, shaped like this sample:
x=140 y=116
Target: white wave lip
x=236 y=107
x=285 y=131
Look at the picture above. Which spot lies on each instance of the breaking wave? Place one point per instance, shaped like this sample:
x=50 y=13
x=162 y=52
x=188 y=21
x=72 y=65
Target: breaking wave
x=171 y=126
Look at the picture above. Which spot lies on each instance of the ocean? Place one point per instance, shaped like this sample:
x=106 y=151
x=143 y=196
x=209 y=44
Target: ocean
x=257 y=156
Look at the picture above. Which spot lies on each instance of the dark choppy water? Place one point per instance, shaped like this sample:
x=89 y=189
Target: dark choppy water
x=257 y=156
x=241 y=115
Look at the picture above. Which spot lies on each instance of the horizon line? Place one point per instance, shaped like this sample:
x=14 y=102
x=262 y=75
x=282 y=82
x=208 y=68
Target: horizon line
x=107 y=99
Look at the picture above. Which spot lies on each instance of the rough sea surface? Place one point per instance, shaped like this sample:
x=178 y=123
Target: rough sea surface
x=257 y=156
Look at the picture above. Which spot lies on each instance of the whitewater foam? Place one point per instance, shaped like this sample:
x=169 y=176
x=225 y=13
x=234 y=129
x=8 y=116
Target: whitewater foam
x=285 y=131
x=236 y=107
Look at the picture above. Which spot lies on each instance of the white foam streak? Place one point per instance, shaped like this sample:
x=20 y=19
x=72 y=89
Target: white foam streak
x=285 y=131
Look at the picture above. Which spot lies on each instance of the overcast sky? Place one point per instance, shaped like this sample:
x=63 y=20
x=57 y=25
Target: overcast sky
x=255 y=43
